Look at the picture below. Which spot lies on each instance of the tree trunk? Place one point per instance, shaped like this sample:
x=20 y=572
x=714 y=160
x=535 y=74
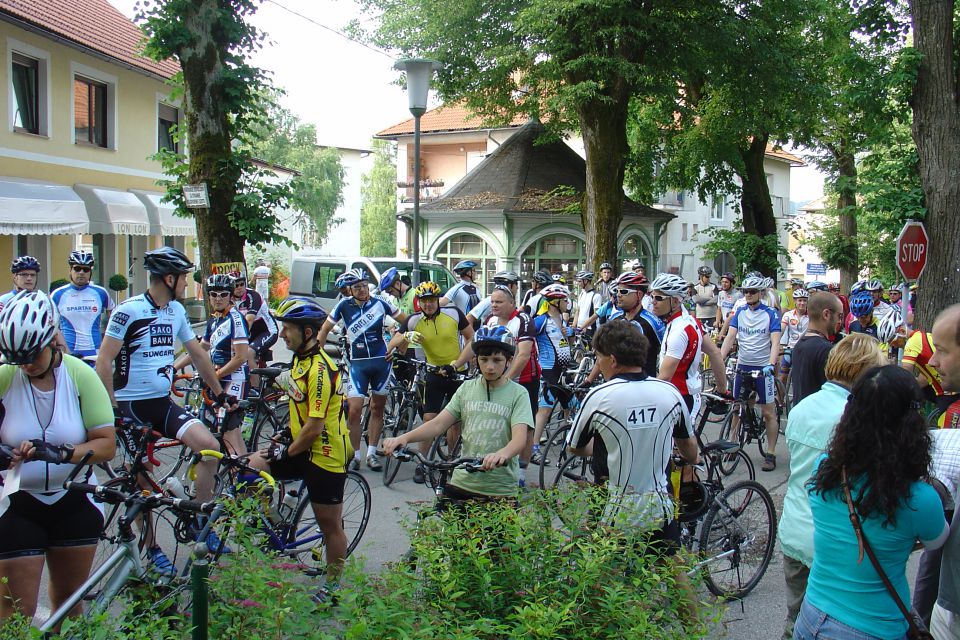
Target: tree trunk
x=936 y=130
x=208 y=134
x=847 y=212
x=755 y=204
x=604 y=128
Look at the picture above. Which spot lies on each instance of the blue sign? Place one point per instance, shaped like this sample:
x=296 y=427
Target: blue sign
x=816 y=269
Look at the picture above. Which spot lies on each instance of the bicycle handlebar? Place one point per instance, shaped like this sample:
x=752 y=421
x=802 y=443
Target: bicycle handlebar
x=471 y=465
x=232 y=461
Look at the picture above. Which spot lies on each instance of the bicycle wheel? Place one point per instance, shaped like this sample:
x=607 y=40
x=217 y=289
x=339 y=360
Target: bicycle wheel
x=727 y=463
x=441 y=449
x=554 y=453
x=306 y=537
x=403 y=421
x=737 y=539
x=574 y=493
x=265 y=427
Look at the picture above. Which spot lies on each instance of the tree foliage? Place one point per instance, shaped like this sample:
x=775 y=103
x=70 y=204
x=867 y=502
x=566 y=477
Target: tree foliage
x=378 y=208
x=317 y=189
x=212 y=40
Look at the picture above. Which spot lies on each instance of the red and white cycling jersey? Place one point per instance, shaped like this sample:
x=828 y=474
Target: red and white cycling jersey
x=682 y=341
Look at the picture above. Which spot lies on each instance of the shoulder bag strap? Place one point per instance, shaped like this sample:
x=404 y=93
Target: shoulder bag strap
x=865 y=546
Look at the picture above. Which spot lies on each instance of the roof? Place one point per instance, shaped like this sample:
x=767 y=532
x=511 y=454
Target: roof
x=521 y=176
x=443 y=119
x=778 y=153
x=90 y=24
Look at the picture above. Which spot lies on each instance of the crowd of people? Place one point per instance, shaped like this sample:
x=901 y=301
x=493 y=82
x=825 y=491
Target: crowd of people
x=861 y=454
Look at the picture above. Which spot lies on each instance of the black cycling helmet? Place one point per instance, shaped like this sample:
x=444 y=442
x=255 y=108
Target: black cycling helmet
x=166 y=261
x=729 y=276
x=704 y=271
x=542 y=277
x=606 y=265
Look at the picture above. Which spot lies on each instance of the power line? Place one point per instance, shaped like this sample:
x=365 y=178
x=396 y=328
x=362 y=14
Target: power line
x=331 y=29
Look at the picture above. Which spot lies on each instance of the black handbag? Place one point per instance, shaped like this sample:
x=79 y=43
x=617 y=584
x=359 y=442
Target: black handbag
x=917 y=630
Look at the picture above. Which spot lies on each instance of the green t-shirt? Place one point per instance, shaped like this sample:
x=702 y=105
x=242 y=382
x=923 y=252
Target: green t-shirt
x=487 y=428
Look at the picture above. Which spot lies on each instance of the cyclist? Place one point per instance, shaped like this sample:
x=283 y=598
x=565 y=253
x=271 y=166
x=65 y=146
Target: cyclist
x=495 y=415
x=261 y=279
x=787 y=301
x=464 y=294
x=917 y=354
x=630 y=288
x=634 y=421
x=320 y=449
x=531 y=299
x=135 y=364
x=81 y=306
x=606 y=278
x=727 y=297
x=25 y=270
x=605 y=310
x=755 y=328
x=479 y=314
x=262 y=327
x=681 y=353
x=393 y=284
x=793 y=324
x=588 y=301
x=363 y=316
x=553 y=352
x=438 y=331
x=55 y=410
x=862 y=308
x=880 y=308
x=705 y=297
x=226 y=339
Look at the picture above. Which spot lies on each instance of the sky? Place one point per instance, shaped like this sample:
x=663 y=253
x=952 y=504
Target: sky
x=348 y=90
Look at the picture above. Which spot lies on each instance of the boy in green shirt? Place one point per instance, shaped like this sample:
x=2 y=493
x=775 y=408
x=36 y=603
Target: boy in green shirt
x=495 y=415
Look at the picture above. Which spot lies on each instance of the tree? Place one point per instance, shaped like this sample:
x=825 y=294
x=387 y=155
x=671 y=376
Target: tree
x=378 y=208
x=317 y=189
x=936 y=130
x=221 y=92
x=575 y=64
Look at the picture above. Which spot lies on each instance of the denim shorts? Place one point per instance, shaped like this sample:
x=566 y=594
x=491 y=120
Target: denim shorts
x=814 y=624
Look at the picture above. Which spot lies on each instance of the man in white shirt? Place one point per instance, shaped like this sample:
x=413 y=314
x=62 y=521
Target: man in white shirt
x=588 y=300
x=261 y=279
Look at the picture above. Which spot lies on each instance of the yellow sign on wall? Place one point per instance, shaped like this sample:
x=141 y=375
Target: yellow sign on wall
x=228 y=268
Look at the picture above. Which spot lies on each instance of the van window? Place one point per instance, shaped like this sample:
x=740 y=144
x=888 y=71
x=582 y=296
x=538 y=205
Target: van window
x=433 y=272
x=324 y=279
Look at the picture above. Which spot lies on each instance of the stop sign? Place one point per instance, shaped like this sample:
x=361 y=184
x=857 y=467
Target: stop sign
x=912 y=245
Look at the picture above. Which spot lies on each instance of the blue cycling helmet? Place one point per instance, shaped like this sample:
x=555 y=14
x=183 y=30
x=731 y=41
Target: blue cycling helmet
x=464 y=265
x=344 y=280
x=497 y=337
x=388 y=278
x=24 y=263
x=858 y=286
x=359 y=274
x=300 y=310
x=861 y=303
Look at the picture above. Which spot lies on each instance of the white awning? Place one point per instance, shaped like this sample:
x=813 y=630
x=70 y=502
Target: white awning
x=32 y=207
x=114 y=212
x=163 y=221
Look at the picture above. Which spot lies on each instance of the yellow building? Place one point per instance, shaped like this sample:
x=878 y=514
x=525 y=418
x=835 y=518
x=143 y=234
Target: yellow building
x=83 y=114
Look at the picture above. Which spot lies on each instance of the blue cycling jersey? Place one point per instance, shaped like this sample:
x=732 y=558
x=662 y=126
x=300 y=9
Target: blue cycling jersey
x=655 y=323
x=364 y=325
x=80 y=311
x=553 y=346
x=143 y=368
x=223 y=331
x=605 y=311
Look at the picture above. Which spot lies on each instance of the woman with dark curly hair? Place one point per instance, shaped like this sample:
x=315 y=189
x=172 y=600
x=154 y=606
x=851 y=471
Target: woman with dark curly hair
x=881 y=447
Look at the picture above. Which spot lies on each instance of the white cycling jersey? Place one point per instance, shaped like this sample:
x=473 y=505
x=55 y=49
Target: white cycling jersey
x=81 y=309
x=754 y=327
x=792 y=326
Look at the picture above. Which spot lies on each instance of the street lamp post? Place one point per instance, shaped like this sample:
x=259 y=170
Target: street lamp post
x=419 y=71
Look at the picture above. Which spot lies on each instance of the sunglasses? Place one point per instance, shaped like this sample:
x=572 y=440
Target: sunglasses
x=750 y=292
x=626 y=292
x=660 y=298
x=219 y=294
x=80 y=269
x=239 y=283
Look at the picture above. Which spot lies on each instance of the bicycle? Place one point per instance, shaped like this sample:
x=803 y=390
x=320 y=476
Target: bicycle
x=125 y=563
x=751 y=424
x=553 y=452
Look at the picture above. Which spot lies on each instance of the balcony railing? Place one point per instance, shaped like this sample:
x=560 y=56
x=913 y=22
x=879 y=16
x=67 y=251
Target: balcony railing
x=429 y=190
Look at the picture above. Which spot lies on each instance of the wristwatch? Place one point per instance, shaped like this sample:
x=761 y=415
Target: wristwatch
x=67 y=450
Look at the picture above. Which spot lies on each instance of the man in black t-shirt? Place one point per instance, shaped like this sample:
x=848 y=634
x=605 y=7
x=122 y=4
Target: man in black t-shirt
x=807 y=371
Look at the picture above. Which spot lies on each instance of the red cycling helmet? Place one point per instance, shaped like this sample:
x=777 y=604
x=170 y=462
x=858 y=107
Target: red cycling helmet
x=633 y=281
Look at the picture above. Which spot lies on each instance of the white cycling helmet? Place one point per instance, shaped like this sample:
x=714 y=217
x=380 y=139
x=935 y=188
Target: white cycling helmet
x=874 y=285
x=27 y=324
x=670 y=284
x=753 y=282
x=768 y=283
x=800 y=293
x=889 y=326
x=555 y=292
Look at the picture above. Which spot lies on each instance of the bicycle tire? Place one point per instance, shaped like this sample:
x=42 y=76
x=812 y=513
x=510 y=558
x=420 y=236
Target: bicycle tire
x=557 y=448
x=441 y=449
x=573 y=499
x=728 y=463
x=265 y=427
x=739 y=531
x=355 y=516
x=400 y=425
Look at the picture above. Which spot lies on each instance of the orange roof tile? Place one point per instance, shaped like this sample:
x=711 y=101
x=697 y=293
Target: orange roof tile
x=786 y=156
x=94 y=24
x=444 y=118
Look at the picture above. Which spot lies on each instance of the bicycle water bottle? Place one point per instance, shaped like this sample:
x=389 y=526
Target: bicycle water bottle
x=289 y=502
x=247 y=426
x=174 y=487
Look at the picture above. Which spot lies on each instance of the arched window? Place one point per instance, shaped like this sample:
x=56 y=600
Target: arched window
x=467 y=246
x=635 y=247
x=557 y=253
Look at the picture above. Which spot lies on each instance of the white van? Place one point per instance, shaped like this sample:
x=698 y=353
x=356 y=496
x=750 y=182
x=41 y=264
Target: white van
x=315 y=275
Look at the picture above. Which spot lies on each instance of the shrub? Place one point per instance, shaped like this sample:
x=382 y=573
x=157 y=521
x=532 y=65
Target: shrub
x=118 y=282
x=56 y=284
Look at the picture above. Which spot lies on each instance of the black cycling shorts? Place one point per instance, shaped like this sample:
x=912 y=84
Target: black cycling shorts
x=162 y=414
x=323 y=487
x=533 y=390
x=262 y=342
x=438 y=391
x=665 y=541
x=29 y=527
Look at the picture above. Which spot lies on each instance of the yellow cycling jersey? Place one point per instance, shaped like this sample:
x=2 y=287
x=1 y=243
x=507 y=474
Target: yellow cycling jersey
x=313 y=384
x=441 y=334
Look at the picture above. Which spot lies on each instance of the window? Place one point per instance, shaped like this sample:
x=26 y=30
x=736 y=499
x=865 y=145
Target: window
x=167 y=120
x=26 y=93
x=89 y=112
x=683 y=235
x=636 y=248
x=324 y=277
x=467 y=246
x=718 y=209
x=558 y=253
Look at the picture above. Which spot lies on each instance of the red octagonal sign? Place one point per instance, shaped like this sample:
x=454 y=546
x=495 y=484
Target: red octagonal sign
x=912 y=246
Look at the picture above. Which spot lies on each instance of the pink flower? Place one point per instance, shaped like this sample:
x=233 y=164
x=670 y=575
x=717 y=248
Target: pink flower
x=250 y=604
x=274 y=584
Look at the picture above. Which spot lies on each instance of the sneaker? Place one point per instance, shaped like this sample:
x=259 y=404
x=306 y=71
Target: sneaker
x=769 y=462
x=214 y=543
x=354 y=464
x=160 y=562
x=419 y=476
x=373 y=462
x=326 y=595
